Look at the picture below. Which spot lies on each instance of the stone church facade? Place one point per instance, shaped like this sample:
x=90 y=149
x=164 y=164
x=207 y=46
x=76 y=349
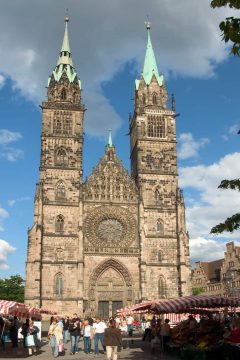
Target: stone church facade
x=113 y=239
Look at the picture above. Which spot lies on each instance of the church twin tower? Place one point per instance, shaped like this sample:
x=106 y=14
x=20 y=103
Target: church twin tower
x=115 y=239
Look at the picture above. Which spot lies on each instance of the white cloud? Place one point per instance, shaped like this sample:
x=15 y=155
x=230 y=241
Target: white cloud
x=3 y=213
x=12 y=202
x=11 y=154
x=185 y=44
x=5 y=250
x=2 y=81
x=189 y=147
x=202 y=249
x=7 y=137
x=231 y=130
x=211 y=205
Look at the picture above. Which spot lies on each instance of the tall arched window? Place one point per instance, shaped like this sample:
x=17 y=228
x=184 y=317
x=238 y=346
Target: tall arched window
x=60 y=191
x=57 y=125
x=162 y=288
x=156 y=126
x=58 y=285
x=144 y=99
x=63 y=94
x=154 y=99
x=61 y=157
x=159 y=226
x=59 y=223
x=159 y=256
x=158 y=196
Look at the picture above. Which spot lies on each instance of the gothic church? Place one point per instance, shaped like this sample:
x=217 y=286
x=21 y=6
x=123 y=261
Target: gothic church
x=114 y=239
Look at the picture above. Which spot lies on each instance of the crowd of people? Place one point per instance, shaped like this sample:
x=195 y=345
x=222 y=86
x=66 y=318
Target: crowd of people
x=213 y=333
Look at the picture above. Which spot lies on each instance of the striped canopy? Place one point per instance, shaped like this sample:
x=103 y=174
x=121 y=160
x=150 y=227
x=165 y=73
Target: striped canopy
x=17 y=309
x=183 y=304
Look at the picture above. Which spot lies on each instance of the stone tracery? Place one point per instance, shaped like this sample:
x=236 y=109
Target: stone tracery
x=110 y=225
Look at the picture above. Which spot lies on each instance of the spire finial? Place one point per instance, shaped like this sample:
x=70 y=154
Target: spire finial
x=148 y=23
x=66 y=19
x=110 y=144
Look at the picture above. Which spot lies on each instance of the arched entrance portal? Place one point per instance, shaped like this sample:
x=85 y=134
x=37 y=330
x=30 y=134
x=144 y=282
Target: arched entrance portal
x=111 y=288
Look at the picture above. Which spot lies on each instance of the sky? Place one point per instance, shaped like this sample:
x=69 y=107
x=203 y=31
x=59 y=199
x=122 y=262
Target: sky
x=108 y=42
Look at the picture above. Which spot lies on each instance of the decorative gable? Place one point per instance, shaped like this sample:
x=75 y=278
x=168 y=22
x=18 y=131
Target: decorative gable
x=110 y=181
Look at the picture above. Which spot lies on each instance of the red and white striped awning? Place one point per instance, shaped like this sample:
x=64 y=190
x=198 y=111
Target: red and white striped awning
x=183 y=304
x=17 y=309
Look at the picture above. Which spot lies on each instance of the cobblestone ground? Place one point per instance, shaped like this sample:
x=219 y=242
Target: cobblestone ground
x=133 y=350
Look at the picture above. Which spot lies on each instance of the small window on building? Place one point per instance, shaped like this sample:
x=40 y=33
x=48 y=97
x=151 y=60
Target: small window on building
x=144 y=99
x=162 y=288
x=60 y=190
x=61 y=157
x=159 y=226
x=63 y=94
x=159 y=256
x=59 y=223
x=154 y=99
x=158 y=196
x=59 y=285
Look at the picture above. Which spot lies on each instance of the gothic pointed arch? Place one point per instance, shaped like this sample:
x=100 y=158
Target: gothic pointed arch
x=61 y=156
x=58 y=284
x=160 y=226
x=111 y=263
x=63 y=94
x=162 y=287
x=60 y=190
x=59 y=223
x=154 y=98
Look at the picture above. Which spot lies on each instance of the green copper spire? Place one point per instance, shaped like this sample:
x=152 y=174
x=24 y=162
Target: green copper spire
x=110 y=143
x=65 y=63
x=65 y=54
x=150 y=65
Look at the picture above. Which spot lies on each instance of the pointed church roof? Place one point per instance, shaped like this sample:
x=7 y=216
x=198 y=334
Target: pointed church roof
x=65 y=63
x=65 y=53
x=110 y=143
x=150 y=65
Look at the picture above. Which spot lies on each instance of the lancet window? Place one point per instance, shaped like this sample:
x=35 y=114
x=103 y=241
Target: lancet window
x=60 y=191
x=61 y=157
x=62 y=123
x=63 y=94
x=59 y=223
x=162 y=288
x=58 y=285
x=156 y=126
x=158 y=196
x=154 y=99
x=159 y=226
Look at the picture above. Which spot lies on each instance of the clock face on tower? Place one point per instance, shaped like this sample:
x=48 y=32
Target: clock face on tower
x=110 y=226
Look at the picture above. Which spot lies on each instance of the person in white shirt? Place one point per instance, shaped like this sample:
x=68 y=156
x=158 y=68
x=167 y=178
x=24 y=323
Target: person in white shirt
x=87 y=336
x=98 y=331
x=130 y=321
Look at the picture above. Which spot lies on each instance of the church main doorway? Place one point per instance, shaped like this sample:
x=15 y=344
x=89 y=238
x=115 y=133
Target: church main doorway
x=108 y=308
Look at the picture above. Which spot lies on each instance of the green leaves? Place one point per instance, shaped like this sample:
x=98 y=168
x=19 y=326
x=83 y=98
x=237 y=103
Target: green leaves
x=197 y=291
x=232 y=223
x=12 y=288
x=230 y=184
x=231 y=26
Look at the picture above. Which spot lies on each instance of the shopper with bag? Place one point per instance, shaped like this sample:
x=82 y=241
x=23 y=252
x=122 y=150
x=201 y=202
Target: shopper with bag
x=30 y=337
x=55 y=337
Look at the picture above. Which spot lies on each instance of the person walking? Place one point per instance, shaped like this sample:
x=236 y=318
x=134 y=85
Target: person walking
x=65 y=329
x=87 y=336
x=55 y=336
x=75 y=332
x=112 y=340
x=98 y=332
